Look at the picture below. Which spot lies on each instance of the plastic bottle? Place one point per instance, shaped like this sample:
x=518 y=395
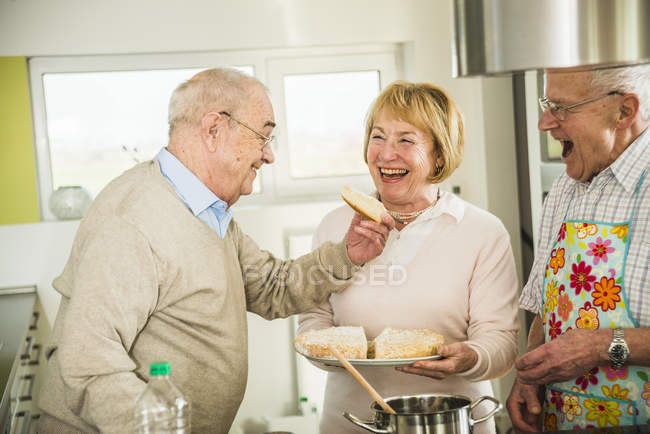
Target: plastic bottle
x=161 y=408
x=303 y=406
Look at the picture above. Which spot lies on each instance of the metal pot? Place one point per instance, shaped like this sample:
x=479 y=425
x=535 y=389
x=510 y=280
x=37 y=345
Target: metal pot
x=425 y=414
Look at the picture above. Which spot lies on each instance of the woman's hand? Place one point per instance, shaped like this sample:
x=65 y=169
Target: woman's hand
x=457 y=357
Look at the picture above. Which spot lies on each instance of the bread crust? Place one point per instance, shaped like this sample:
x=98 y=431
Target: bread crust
x=365 y=205
x=393 y=343
x=351 y=342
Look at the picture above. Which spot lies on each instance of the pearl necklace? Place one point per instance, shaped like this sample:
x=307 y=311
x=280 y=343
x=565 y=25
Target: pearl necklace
x=401 y=217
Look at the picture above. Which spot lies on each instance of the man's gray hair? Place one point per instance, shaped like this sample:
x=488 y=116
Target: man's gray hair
x=218 y=90
x=629 y=79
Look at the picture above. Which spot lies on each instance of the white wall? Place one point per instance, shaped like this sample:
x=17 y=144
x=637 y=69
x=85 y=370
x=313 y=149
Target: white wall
x=34 y=254
x=77 y=27
x=85 y=27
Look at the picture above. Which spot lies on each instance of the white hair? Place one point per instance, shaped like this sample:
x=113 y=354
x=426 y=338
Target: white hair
x=217 y=89
x=629 y=79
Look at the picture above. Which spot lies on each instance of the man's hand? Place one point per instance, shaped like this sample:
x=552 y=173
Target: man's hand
x=457 y=357
x=568 y=356
x=366 y=239
x=524 y=406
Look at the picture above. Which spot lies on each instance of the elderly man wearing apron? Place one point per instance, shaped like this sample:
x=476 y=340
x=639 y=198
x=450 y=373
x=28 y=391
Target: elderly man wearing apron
x=588 y=359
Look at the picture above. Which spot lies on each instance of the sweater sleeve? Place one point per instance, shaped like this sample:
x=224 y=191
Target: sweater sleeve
x=322 y=316
x=112 y=294
x=493 y=325
x=278 y=288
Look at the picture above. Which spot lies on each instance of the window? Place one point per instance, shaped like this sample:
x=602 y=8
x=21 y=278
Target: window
x=325 y=114
x=321 y=103
x=96 y=116
x=94 y=134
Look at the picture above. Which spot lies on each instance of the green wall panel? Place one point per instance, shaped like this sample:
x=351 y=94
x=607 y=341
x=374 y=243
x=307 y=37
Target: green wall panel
x=18 y=191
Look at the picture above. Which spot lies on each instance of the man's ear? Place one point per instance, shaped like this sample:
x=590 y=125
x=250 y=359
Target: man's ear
x=212 y=127
x=628 y=110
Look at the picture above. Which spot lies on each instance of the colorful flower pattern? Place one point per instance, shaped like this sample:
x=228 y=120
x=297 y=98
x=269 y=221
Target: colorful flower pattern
x=552 y=291
x=606 y=293
x=599 y=250
x=616 y=392
x=571 y=407
x=562 y=234
x=557 y=260
x=556 y=399
x=646 y=393
x=588 y=317
x=620 y=231
x=583 y=230
x=550 y=422
x=591 y=270
x=555 y=327
x=564 y=306
x=587 y=378
x=614 y=374
x=605 y=413
x=581 y=277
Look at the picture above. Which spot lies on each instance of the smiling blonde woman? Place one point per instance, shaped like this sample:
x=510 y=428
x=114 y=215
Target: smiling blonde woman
x=457 y=264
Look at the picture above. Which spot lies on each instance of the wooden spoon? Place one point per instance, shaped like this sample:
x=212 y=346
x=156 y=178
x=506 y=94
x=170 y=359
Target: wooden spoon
x=360 y=379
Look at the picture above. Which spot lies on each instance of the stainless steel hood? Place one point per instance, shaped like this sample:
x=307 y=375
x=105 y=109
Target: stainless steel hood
x=502 y=36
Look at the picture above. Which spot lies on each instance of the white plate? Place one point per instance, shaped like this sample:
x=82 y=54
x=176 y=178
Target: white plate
x=372 y=362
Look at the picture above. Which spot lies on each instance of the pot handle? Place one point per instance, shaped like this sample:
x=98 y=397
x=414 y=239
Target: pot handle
x=364 y=424
x=497 y=407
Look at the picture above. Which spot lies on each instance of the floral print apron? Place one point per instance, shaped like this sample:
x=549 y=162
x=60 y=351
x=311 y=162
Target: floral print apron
x=583 y=288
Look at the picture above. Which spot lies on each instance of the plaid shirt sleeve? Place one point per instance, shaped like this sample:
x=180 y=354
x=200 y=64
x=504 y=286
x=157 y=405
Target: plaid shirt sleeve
x=552 y=216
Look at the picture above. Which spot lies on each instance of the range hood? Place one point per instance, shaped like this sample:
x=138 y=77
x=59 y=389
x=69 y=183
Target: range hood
x=494 y=37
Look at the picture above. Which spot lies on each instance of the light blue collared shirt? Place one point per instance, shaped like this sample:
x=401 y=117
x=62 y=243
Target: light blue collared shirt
x=199 y=199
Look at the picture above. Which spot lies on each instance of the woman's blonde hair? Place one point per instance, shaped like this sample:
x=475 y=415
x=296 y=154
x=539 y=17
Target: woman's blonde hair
x=430 y=109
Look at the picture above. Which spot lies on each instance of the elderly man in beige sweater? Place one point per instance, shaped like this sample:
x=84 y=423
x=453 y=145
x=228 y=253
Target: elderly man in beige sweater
x=159 y=270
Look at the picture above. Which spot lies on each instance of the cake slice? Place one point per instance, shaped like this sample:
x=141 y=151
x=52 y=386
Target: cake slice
x=393 y=343
x=349 y=341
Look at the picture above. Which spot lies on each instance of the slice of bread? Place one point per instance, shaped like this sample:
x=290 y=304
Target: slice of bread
x=365 y=205
x=349 y=341
x=393 y=343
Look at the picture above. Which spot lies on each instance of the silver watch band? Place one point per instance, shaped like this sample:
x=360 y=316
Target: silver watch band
x=618 y=352
x=619 y=336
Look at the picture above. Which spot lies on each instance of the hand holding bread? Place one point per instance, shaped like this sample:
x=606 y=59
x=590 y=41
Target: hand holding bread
x=366 y=237
x=457 y=357
x=365 y=205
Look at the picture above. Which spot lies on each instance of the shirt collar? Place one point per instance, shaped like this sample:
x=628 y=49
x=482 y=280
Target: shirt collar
x=191 y=190
x=447 y=204
x=629 y=166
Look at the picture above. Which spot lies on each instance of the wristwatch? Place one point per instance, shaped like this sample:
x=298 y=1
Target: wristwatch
x=618 y=350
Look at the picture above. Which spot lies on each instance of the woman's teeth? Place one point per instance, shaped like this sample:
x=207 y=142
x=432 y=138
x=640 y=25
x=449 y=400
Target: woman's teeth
x=393 y=173
x=567 y=147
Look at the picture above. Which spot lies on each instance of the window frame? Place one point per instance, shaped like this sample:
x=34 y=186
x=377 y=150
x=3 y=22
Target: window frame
x=273 y=183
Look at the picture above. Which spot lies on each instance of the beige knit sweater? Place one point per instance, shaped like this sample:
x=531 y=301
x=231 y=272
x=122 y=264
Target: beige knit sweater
x=146 y=280
x=451 y=270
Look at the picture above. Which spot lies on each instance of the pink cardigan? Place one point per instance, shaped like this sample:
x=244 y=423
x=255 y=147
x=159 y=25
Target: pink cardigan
x=451 y=270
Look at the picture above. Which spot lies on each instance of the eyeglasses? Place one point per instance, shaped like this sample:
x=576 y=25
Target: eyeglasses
x=559 y=112
x=267 y=140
